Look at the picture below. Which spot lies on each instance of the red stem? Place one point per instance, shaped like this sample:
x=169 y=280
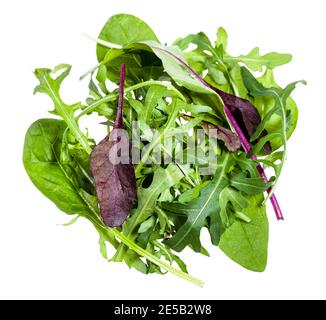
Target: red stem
x=245 y=143
x=119 y=120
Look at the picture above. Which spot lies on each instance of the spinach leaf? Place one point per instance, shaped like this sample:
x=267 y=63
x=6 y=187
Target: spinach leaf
x=41 y=160
x=247 y=243
x=124 y=29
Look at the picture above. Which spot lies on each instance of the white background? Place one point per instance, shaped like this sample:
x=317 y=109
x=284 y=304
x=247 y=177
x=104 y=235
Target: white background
x=41 y=260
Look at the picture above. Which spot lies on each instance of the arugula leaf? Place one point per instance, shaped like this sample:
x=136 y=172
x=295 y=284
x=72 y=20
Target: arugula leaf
x=238 y=201
x=163 y=179
x=51 y=87
x=247 y=243
x=250 y=186
x=198 y=210
x=254 y=61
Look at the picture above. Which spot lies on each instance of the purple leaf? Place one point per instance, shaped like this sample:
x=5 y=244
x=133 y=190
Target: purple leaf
x=245 y=114
x=113 y=172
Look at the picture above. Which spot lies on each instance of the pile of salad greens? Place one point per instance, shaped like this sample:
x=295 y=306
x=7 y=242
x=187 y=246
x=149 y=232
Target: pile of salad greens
x=150 y=211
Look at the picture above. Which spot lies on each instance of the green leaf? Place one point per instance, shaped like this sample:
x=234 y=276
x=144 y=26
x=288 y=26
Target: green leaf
x=41 y=161
x=247 y=243
x=154 y=96
x=146 y=225
x=265 y=105
x=250 y=186
x=124 y=29
x=193 y=193
x=235 y=198
x=51 y=87
x=222 y=38
x=254 y=61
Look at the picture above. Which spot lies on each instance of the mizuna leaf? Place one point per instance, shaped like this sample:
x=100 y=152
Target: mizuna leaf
x=115 y=181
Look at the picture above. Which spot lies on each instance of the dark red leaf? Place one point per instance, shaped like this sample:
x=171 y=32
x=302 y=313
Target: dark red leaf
x=113 y=172
x=245 y=114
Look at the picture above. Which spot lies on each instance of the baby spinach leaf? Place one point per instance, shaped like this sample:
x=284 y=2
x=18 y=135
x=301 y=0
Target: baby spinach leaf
x=247 y=243
x=41 y=161
x=124 y=29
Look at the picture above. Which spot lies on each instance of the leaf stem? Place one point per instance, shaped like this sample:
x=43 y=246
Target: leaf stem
x=119 y=120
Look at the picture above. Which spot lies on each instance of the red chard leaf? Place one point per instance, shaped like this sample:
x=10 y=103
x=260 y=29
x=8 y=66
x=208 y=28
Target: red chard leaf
x=113 y=172
x=245 y=114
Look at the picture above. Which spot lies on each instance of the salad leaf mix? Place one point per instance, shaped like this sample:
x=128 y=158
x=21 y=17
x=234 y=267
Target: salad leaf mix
x=191 y=132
